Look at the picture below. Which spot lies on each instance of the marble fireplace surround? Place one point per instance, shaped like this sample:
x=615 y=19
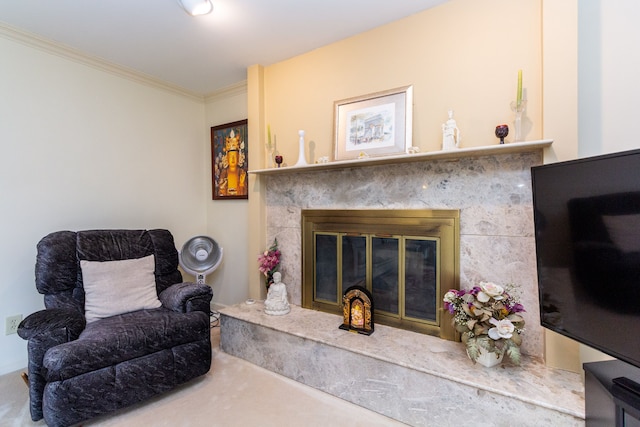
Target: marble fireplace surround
x=491 y=186
x=417 y=379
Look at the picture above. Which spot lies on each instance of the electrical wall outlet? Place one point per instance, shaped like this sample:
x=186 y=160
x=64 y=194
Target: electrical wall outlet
x=11 y=324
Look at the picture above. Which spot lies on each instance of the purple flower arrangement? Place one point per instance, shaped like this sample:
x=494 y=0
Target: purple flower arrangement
x=488 y=318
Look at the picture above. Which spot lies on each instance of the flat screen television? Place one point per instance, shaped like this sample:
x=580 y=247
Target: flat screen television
x=587 y=234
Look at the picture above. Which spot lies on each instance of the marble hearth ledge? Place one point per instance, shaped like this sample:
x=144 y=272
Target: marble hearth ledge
x=488 y=150
x=417 y=379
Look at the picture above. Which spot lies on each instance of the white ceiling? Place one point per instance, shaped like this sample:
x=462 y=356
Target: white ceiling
x=200 y=54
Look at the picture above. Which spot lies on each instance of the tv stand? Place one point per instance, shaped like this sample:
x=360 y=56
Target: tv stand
x=612 y=394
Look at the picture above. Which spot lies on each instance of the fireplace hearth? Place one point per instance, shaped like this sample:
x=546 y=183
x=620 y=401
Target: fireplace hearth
x=414 y=378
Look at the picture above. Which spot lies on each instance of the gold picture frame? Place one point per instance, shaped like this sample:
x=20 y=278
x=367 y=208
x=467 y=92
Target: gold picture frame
x=230 y=161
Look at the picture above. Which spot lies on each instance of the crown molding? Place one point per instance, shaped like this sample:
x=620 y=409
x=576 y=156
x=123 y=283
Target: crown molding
x=227 y=92
x=63 y=51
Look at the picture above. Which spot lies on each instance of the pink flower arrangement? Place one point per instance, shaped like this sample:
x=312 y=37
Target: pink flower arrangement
x=269 y=263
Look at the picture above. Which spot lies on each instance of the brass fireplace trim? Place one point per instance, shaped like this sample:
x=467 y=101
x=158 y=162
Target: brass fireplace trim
x=441 y=224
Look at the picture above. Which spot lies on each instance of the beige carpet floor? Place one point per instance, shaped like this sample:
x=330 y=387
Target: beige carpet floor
x=233 y=393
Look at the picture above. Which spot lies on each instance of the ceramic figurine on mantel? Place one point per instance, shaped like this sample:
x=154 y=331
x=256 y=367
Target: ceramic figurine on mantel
x=277 y=303
x=450 y=134
x=301 y=159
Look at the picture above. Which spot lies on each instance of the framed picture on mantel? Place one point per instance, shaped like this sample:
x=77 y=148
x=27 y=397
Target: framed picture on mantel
x=230 y=161
x=378 y=124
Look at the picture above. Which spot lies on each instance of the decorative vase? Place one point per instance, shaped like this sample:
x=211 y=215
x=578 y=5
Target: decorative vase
x=302 y=161
x=488 y=358
x=270 y=160
x=518 y=109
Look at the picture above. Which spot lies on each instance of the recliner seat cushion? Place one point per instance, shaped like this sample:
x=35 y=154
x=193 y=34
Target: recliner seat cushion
x=116 y=339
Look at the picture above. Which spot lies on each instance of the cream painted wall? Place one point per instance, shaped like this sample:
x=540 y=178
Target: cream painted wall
x=80 y=149
x=609 y=68
x=227 y=220
x=257 y=202
x=463 y=55
x=560 y=123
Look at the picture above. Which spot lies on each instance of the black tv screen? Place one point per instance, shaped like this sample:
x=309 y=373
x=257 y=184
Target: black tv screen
x=587 y=233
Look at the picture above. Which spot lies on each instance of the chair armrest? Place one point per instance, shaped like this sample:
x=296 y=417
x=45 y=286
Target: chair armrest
x=46 y=329
x=187 y=297
x=51 y=321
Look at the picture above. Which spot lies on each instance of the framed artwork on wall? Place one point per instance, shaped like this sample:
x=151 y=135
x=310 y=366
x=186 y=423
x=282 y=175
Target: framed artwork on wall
x=230 y=161
x=378 y=124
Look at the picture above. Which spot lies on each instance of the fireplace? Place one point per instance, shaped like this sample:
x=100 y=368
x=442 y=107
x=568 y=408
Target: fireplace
x=490 y=187
x=406 y=259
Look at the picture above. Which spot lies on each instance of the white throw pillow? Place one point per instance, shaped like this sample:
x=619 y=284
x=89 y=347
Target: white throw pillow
x=115 y=287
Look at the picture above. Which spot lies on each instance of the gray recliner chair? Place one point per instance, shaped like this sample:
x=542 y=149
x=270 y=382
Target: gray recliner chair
x=119 y=325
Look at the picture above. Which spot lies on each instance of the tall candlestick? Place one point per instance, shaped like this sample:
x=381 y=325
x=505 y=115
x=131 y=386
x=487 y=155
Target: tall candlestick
x=519 y=96
x=269 y=136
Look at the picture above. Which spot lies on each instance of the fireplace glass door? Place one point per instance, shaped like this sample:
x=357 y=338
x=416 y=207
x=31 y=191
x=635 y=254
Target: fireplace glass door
x=326 y=277
x=420 y=278
x=401 y=272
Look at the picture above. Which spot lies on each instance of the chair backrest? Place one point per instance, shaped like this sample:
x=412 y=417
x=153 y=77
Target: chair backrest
x=58 y=272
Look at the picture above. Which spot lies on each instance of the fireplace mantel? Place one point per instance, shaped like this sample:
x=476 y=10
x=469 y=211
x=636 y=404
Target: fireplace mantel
x=514 y=147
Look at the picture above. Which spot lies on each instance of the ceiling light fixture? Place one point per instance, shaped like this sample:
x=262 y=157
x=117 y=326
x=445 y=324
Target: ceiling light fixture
x=196 y=7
